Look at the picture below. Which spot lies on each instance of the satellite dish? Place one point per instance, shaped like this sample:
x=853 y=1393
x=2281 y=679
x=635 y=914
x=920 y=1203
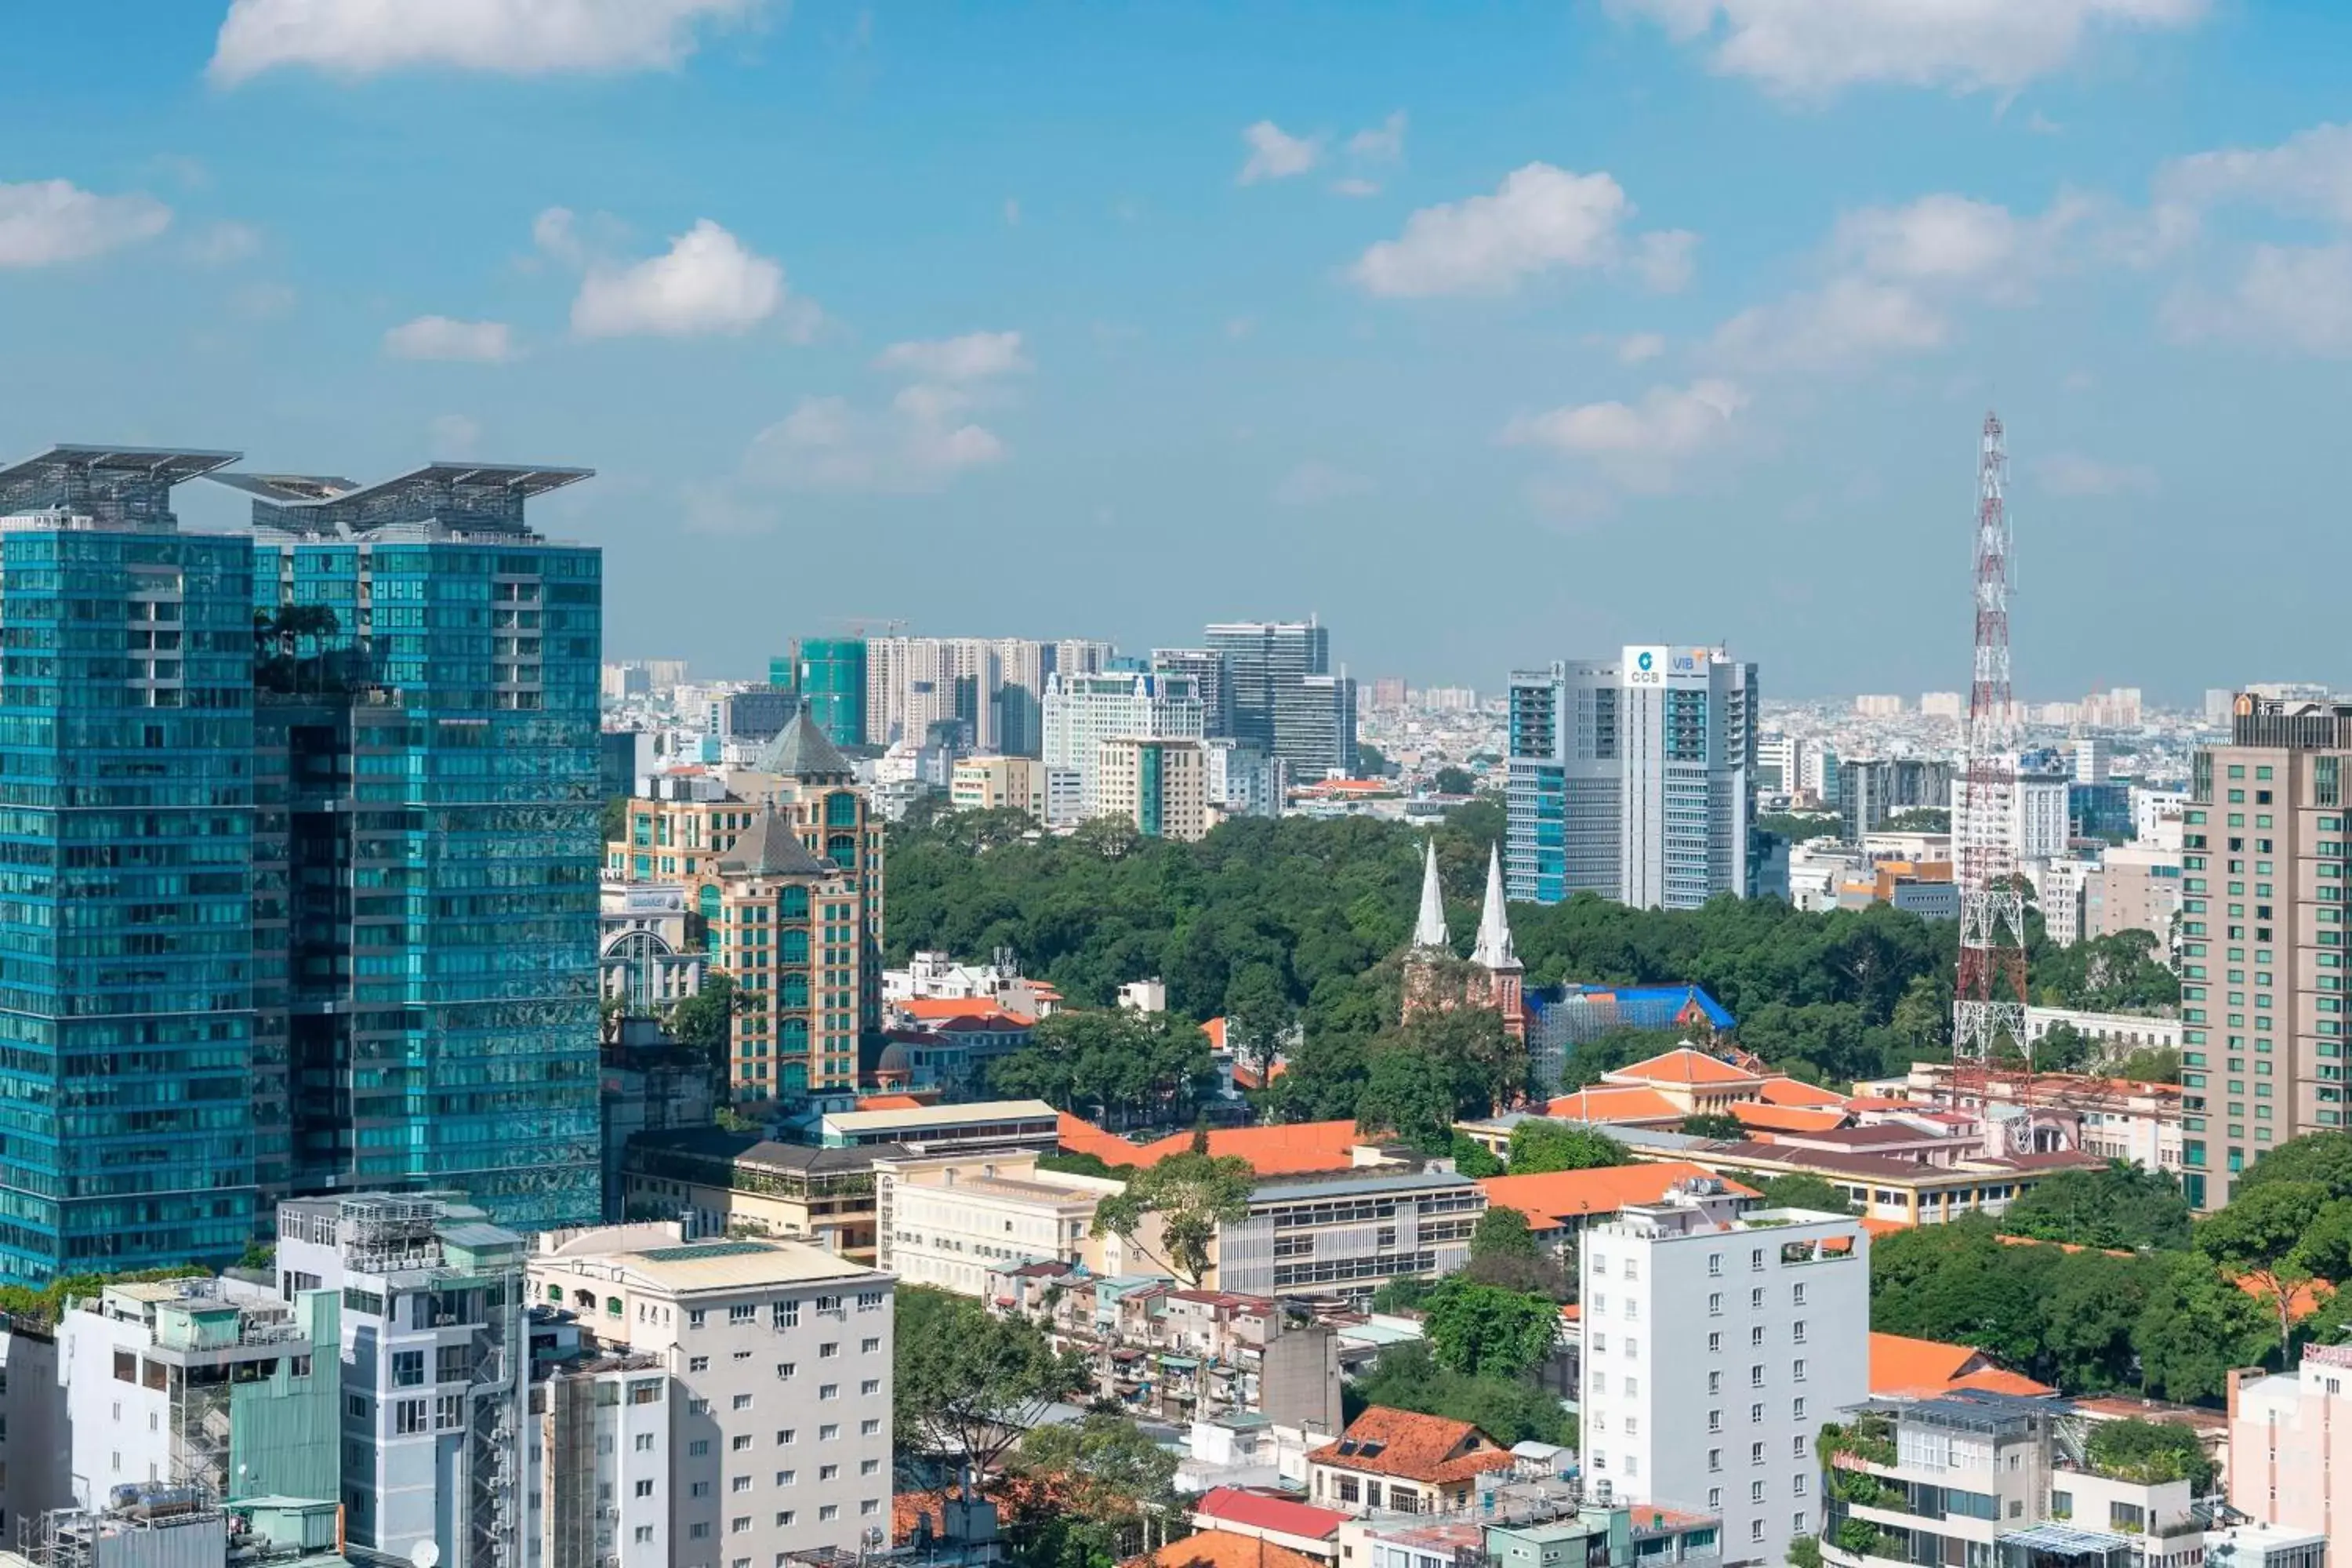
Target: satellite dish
x=426 y=1555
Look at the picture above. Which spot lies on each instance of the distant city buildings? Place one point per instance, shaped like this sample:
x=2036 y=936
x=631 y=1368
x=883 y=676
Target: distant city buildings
x=1633 y=778
x=1084 y=711
x=1878 y=707
x=1157 y=783
x=1283 y=698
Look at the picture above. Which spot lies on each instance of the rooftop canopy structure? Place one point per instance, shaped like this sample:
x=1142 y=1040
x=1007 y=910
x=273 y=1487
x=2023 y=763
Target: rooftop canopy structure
x=127 y=487
x=475 y=498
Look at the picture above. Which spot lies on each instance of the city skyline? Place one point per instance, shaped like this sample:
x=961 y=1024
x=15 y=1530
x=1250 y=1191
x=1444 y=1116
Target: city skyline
x=1296 y=331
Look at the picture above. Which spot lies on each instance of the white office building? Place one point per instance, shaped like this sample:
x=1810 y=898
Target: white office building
x=1083 y=711
x=779 y=1356
x=1715 y=1344
x=2024 y=812
x=1633 y=778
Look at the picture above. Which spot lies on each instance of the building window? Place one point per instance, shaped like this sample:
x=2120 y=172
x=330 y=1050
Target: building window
x=738 y=1444
x=408 y=1417
x=694 y=1318
x=869 y=1428
x=742 y=1402
x=698 y=1363
x=407 y=1369
x=871 y=1385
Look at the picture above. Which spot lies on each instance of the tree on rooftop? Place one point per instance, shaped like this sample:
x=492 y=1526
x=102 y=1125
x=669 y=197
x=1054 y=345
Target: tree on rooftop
x=2151 y=1451
x=1538 y=1146
x=1803 y=1190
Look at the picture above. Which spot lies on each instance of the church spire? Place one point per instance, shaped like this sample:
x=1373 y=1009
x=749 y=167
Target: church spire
x=1429 y=931
x=1493 y=950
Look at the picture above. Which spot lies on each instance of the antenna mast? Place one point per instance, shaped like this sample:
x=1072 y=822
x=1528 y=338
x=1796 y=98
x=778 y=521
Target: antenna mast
x=1989 y=1000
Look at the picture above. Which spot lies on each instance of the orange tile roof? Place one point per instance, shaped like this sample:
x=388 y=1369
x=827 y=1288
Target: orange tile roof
x=940 y=1009
x=1215 y=1030
x=1794 y=1091
x=2301 y=1301
x=1431 y=1448
x=1788 y=1117
x=1223 y=1549
x=1285 y=1149
x=1080 y=1136
x=1901 y=1364
x=1551 y=1199
x=1249 y=1078
x=890 y=1102
x=1684 y=1065
x=1878 y=1227
x=1628 y=1104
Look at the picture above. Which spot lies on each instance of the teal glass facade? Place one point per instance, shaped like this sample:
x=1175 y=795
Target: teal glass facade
x=298 y=856
x=829 y=673
x=126 y=817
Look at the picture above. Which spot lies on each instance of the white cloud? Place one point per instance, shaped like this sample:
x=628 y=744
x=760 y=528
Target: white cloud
x=1637 y=445
x=1840 y=326
x=1276 y=155
x=556 y=233
x=1662 y=260
x=2296 y=298
x=46 y=222
x=442 y=338
x=454 y=435
x=1937 y=236
x=707 y=283
x=1355 y=186
x=916 y=445
x=1640 y=347
x=975 y=356
x=225 y=244
x=2307 y=176
x=1380 y=143
x=512 y=37
x=2072 y=474
x=1541 y=217
x=1314 y=483
x=1811 y=49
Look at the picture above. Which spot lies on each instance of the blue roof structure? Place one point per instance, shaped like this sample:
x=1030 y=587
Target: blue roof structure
x=1562 y=1017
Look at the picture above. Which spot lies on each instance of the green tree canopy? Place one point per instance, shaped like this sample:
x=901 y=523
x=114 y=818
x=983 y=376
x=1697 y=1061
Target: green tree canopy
x=966 y=1382
x=2259 y=1238
x=1191 y=1195
x=2132 y=1449
x=1509 y=1410
x=1112 y=1064
x=1103 y=1477
x=1538 y=1146
x=1718 y=1124
x=2324 y=1158
x=1451 y=780
x=2119 y=1205
x=1804 y=1190
x=1484 y=1330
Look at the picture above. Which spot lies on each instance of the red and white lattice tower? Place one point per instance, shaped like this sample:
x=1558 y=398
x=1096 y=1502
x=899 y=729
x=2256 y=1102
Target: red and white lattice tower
x=1990 y=1000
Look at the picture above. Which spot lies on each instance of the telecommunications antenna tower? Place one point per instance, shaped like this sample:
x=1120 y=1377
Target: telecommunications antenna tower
x=1989 y=1000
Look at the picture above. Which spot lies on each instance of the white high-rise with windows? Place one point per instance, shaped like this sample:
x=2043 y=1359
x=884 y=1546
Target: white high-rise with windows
x=780 y=1382
x=1083 y=711
x=1717 y=1338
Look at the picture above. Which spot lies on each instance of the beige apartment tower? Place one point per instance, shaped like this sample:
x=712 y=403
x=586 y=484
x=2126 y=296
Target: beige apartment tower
x=1160 y=785
x=2266 y=860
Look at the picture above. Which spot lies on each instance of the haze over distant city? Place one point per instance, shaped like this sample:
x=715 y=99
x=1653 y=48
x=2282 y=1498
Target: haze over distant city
x=1493 y=335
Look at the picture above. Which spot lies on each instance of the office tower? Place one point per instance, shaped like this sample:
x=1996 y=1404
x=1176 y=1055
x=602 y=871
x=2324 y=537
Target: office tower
x=1716 y=1345
x=1207 y=668
x=2263 y=865
x=1633 y=778
x=1244 y=781
x=2217 y=699
x=778 y=1359
x=1778 y=763
x=754 y=713
x=1082 y=712
x=1022 y=668
x=997 y=783
x=1872 y=789
x=126 y=748
x=425 y=767
x=1160 y=785
x=2094 y=759
x=436 y=1369
x=829 y=674
x=1282 y=697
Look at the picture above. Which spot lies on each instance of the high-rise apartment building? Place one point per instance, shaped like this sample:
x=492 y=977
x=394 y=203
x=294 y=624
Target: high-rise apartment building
x=1633 y=778
x=1083 y=711
x=1282 y=697
x=784 y=871
x=303 y=824
x=2026 y=809
x=1872 y=789
x=1160 y=785
x=2266 y=857
x=1716 y=1343
x=1207 y=667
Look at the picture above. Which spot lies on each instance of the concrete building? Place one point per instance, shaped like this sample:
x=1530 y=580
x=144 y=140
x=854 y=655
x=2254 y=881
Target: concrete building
x=742 y=1183
x=2263 y=937
x=2119 y=1033
x=1717 y=1344
x=2062 y=891
x=2139 y=888
x=602 y=1432
x=779 y=1357
x=2285 y=1470
x=1242 y=781
x=1347 y=1232
x=1633 y=778
x=2025 y=811
x=1205 y=667
x=994 y=783
x=1283 y=697
x=951 y=1220
x=436 y=1368
x=648 y=956
x=1402 y=1461
x=199 y=1382
x=1083 y=711
x=992 y=1126
x=1160 y=786
x=1881 y=706
x=1872 y=789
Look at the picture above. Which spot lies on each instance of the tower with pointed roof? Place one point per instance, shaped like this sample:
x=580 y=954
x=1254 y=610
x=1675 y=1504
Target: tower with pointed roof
x=1495 y=954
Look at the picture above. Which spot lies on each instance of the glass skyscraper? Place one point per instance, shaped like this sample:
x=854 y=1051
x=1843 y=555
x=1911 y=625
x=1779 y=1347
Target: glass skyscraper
x=1281 y=697
x=300 y=828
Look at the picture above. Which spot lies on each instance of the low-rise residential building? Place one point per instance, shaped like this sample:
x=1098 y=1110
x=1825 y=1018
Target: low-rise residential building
x=778 y=1359
x=1300 y=1527
x=1347 y=1232
x=2285 y=1470
x=1982 y=1477
x=200 y=1382
x=1537 y=1525
x=2105 y=1118
x=951 y=1220
x=1402 y=1461
x=989 y=782
x=1718 y=1339
x=988 y=1127
x=741 y=1184
x=436 y=1369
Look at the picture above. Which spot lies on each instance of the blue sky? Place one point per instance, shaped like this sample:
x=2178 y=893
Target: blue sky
x=1492 y=332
